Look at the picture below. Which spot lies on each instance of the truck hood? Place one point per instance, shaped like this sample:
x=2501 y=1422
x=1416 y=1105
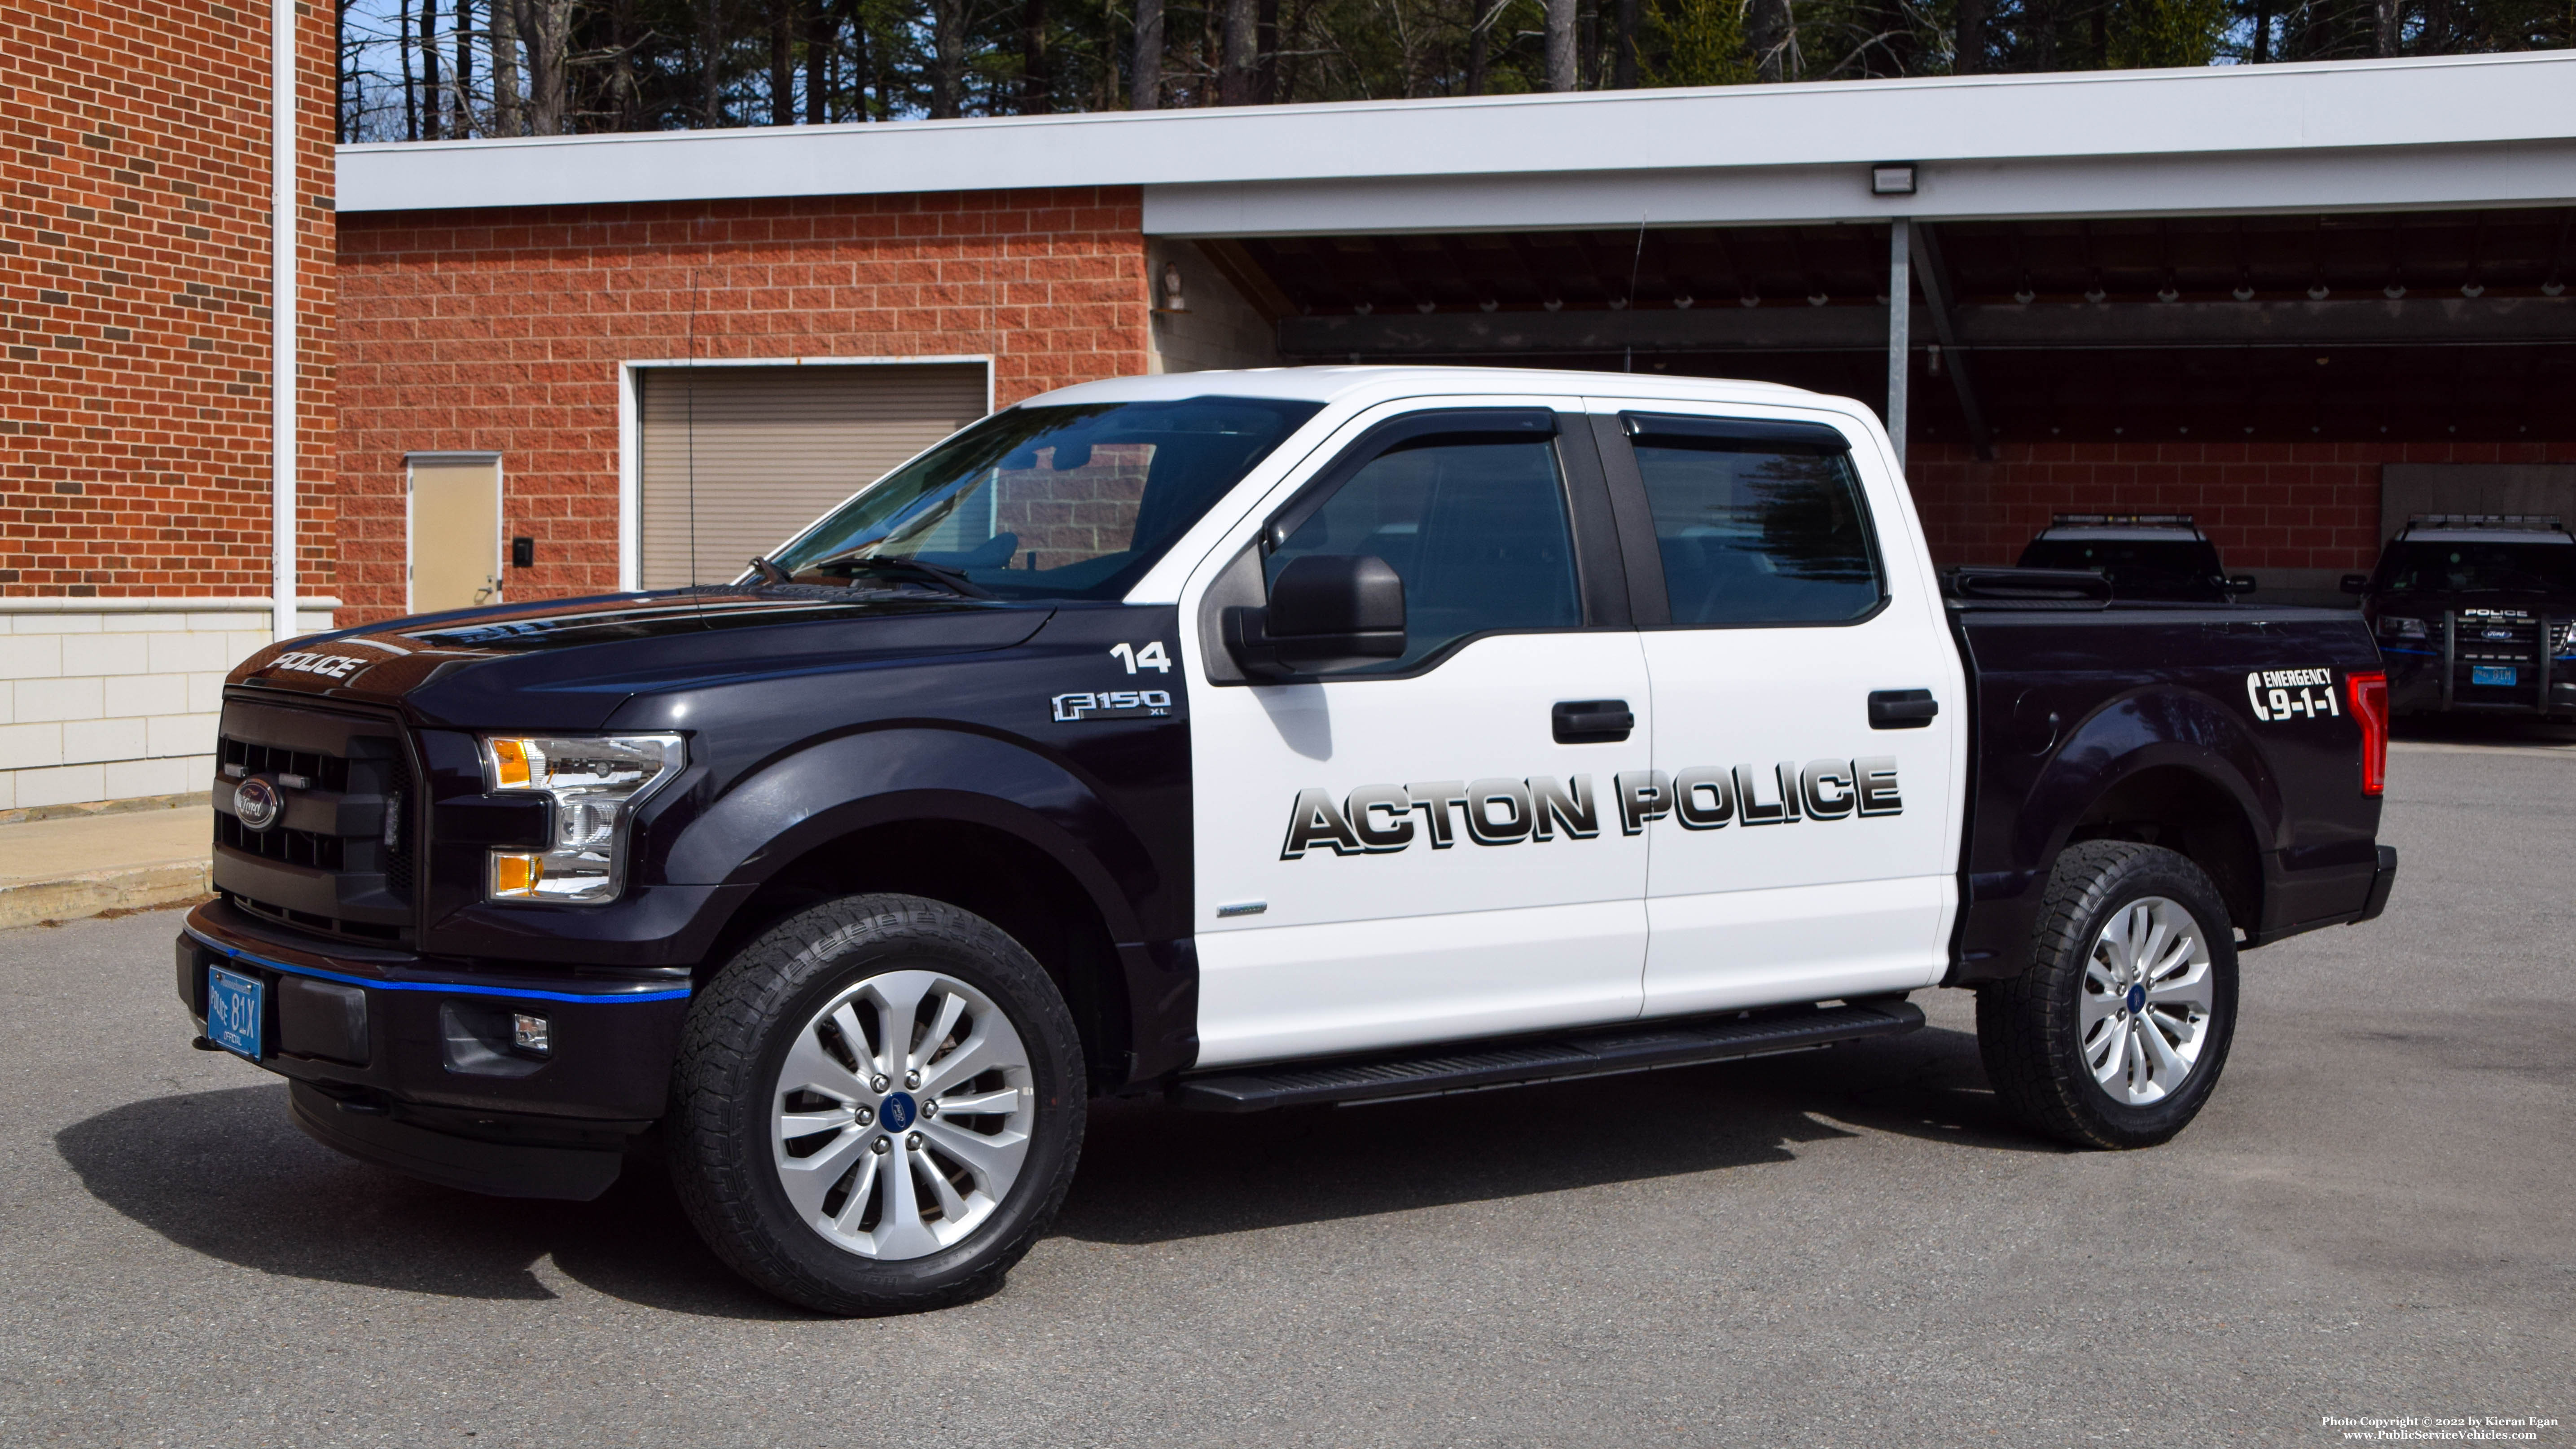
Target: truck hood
x=568 y=664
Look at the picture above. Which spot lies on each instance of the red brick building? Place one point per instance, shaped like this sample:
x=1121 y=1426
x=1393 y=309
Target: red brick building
x=135 y=556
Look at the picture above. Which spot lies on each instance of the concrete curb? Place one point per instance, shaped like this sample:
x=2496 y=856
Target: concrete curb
x=127 y=888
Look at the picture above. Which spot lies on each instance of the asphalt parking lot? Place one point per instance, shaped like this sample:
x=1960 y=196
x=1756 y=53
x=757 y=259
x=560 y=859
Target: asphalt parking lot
x=2376 y=1216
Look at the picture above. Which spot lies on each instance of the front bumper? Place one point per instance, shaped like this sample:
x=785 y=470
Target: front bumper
x=408 y=1061
x=2415 y=686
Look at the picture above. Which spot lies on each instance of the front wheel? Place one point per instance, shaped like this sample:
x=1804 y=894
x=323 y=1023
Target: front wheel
x=2114 y=1034
x=877 y=1106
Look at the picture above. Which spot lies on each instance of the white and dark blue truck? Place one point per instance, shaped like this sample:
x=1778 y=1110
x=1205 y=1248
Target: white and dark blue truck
x=1256 y=740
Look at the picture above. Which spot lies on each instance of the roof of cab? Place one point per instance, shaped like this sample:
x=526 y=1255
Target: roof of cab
x=1337 y=384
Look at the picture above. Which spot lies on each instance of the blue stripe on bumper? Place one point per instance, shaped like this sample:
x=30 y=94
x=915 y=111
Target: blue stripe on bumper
x=514 y=993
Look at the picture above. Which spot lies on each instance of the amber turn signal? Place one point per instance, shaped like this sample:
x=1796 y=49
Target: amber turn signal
x=516 y=872
x=509 y=763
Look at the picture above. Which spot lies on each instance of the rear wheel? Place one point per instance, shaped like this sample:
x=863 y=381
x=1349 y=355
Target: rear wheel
x=877 y=1106
x=2115 y=1033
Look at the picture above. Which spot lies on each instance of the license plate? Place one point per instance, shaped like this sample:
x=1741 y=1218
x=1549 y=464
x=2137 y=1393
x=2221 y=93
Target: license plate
x=2494 y=674
x=233 y=1011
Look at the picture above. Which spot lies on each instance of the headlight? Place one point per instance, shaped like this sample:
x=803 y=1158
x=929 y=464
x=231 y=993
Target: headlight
x=594 y=785
x=2393 y=627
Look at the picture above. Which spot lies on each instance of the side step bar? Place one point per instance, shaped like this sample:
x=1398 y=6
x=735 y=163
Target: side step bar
x=1592 y=1054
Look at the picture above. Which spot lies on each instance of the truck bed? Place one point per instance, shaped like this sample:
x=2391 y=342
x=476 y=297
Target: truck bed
x=2085 y=720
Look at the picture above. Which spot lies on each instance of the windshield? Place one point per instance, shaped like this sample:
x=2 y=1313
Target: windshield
x=2463 y=567
x=2141 y=568
x=1047 y=502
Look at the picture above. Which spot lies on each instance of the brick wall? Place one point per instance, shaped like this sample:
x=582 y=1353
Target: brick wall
x=2311 y=508
x=504 y=331
x=134 y=382
x=134 y=347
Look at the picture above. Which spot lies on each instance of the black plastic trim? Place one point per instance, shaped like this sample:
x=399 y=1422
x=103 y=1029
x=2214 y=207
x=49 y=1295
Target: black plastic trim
x=1776 y=431
x=368 y=1131
x=2382 y=880
x=1627 y=1048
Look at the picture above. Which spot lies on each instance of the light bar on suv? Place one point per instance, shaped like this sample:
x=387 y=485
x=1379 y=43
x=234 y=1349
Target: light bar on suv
x=2522 y=521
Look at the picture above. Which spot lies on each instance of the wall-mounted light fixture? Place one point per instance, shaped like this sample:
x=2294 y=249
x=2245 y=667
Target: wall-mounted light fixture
x=1892 y=178
x=1173 y=301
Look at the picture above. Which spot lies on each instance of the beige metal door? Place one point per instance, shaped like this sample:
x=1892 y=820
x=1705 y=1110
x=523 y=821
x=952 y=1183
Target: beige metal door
x=736 y=460
x=455 y=530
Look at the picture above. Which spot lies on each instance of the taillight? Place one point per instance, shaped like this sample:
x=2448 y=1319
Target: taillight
x=2370 y=706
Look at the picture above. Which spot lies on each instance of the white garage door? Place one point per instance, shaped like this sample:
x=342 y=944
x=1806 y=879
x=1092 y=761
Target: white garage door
x=735 y=460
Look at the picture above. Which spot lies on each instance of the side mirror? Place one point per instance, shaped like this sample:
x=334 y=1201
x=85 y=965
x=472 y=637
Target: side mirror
x=2356 y=583
x=2240 y=584
x=1326 y=612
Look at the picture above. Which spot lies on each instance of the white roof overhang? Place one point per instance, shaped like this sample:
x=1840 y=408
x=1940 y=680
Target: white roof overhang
x=2354 y=136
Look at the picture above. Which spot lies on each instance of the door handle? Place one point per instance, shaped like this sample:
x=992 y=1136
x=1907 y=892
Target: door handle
x=1592 y=721
x=1901 y=709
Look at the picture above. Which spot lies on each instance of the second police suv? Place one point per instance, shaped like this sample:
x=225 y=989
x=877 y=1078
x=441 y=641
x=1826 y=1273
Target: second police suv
x=2476 y=612
x=1256 y=739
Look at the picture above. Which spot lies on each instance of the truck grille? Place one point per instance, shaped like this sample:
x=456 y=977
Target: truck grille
x=295 y=847
x=341 y=858
x=2503 y=658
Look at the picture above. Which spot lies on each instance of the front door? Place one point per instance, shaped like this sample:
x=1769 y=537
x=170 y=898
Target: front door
x=1808 y=843
x=455 y=530
x=1430 y=848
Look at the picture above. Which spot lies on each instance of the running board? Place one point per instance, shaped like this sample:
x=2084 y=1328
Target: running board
x=1593 y=1054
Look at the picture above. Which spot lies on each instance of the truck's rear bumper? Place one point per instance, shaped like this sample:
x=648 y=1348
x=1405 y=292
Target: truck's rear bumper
x=410 y=1061
x=2382 y=882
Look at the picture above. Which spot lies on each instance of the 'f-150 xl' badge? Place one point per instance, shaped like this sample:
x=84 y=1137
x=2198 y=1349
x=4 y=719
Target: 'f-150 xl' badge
x=1112 y=704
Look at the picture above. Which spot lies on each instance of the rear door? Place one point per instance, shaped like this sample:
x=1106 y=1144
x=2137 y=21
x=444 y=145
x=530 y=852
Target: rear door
x=1805 y=837
x=1417 y=851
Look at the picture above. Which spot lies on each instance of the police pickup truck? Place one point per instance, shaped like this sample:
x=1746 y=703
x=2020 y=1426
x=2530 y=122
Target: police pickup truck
x=1257 y=740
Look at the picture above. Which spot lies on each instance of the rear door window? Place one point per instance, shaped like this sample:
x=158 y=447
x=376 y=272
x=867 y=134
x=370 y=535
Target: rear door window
x=1756 y=523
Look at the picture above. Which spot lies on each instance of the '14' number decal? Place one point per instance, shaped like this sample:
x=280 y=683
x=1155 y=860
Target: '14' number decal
x=1150 y=657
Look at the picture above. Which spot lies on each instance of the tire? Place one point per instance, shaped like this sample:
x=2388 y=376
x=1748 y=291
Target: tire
x=828 y=1176
x=2066 y=1044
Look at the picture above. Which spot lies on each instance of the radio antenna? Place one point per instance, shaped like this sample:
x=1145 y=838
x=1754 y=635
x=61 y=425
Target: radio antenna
x=1628 y=358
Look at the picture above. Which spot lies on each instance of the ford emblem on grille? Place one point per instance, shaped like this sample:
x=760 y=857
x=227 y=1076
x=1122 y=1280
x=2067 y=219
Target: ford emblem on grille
x=256 y=804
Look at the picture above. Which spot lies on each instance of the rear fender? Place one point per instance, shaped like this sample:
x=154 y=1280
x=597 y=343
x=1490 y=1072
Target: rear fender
x=2140 y=732
x=2128 y=736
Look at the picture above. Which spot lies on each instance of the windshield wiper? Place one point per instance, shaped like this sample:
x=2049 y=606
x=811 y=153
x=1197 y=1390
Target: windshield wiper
x=947 y=578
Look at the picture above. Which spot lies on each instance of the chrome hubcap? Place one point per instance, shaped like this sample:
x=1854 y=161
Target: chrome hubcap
x=902 y=1115
x=2147 y=1000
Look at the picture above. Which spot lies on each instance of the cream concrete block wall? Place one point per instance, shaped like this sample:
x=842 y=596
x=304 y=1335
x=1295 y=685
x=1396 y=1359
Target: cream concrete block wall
x=1222 y=328
x=111 y=699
